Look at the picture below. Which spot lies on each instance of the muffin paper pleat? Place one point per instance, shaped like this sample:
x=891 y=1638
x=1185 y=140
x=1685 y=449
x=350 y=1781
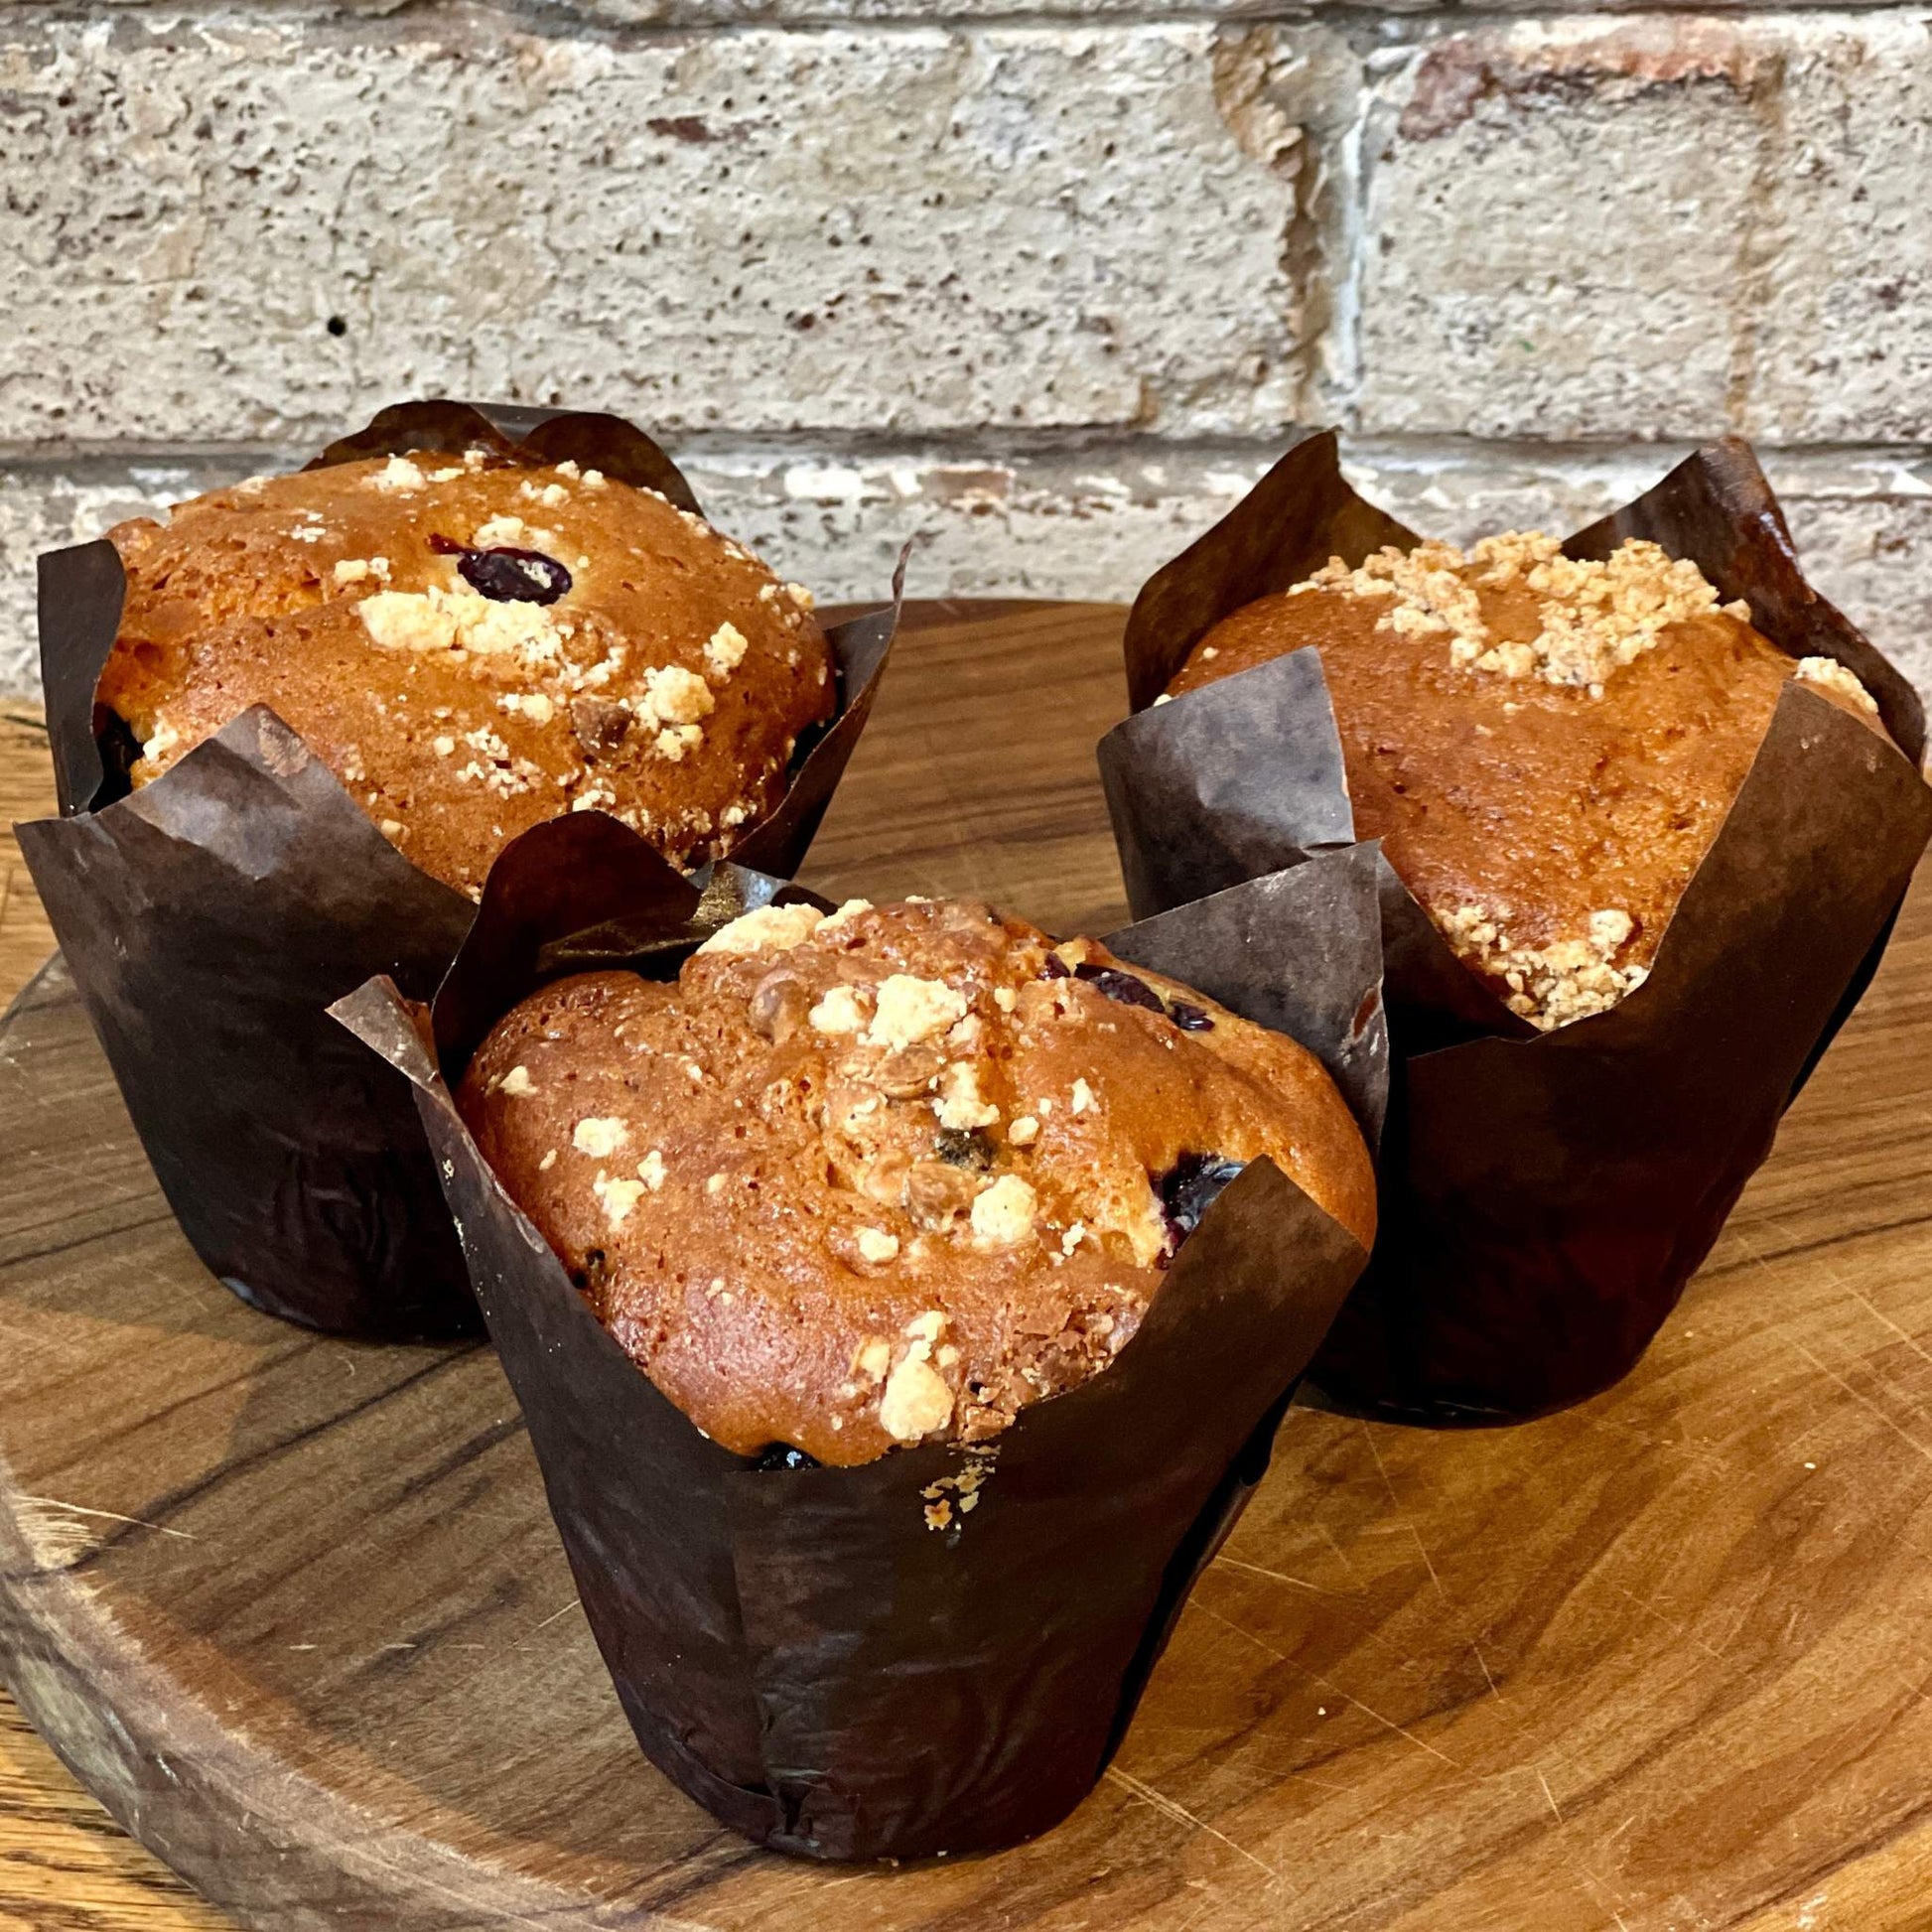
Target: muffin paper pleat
x=1544 y=1196
x=209 y=917
x=802 y=1650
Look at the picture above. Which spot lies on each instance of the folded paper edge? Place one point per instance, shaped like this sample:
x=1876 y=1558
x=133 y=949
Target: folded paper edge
x=1351 y=1037
x=397 y=1029
x=512 y=429
x=1154 y=648
x=90 y=577
x=779 y=841
x=1729 y=471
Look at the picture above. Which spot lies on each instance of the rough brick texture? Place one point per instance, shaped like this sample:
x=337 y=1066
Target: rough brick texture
x=1045 y=284
x=831 y=231
x=1605 y=227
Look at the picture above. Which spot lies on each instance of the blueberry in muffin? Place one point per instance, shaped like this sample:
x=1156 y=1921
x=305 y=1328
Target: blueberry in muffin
x=889 y=1175
x=473 y=645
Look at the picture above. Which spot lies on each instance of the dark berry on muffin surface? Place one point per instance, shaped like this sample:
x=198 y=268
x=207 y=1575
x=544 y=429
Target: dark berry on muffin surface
x=474 y=646
x=893 y=1173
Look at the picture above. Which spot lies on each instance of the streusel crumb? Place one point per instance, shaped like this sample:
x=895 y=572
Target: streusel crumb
x=1550 y=985
x=879 y=1215
x=1833 y=676
x=1596 y=617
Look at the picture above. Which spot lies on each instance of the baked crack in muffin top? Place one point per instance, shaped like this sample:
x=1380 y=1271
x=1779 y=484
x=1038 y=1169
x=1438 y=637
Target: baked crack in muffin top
x=891 y=1174
x=1546 y=746
x=472 y=647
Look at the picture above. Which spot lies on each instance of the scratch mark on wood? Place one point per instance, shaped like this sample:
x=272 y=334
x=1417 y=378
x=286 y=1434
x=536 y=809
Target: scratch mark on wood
x=1328 y=1683
x=1277 y=1575
x=1162 y=1803
x=1911 y=1341
x=550 y=1620
x=1864 y=1401
x=1329 y=1536
x=109 y=1516
x=1426 y=1564
x=1486 y=1678
x=1381 y=1468
x=1671 y=1623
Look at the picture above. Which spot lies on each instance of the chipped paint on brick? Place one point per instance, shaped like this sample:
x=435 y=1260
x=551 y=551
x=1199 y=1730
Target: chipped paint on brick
x=1553 y=60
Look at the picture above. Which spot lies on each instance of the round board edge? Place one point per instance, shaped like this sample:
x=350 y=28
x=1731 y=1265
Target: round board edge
x=212 y=1808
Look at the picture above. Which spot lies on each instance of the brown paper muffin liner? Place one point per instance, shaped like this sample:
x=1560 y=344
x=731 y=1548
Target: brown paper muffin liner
x=210 y=918
x=801 y=1649
x=1544 y=1196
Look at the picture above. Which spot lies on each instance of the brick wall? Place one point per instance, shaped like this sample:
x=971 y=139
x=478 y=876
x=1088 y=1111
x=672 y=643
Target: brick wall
x=1050 y=286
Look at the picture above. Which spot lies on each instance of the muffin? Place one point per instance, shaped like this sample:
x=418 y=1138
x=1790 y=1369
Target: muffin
x=890 y=1174
x=474 y=646
x=1546 y=746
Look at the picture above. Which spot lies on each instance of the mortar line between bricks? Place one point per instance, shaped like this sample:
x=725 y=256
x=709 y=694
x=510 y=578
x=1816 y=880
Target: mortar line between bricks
x=1426 y=21
x=983 y=447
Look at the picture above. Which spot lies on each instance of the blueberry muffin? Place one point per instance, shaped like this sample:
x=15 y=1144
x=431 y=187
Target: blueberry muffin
x=887 y=1174
x=475 y=645
x=1546 y=746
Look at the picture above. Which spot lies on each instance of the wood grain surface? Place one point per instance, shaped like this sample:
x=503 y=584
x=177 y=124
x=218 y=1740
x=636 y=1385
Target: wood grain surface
x=1656 y=1665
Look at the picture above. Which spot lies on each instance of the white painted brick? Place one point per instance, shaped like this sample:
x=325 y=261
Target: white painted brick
x=850 y=230
x=1654 y=226
x=1095 y=523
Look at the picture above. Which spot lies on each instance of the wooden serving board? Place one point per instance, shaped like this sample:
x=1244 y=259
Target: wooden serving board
x=293 y=1609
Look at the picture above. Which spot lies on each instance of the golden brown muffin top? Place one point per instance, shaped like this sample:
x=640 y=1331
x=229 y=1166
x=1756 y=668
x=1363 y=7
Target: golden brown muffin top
x=474 y=646
x=1546 y=746
x=891 y=1174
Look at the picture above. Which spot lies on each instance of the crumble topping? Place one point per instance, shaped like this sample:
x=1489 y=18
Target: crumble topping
x=398 y=477
x=875 y=1244
x=1833 y=676
x=917 y=1400
x=675 y=740
x=1549 y=986
x=726 y=650
x=598 y=1137
x=160 y=740
x=1595 y=617
x=457 y=619
x=1004 y=1216
x=911 y=1009
x=845 y=912
x=960 y=1106
x=618 y=1197
x=839 y=1012
x=512 y=533
x=677 y=696
x=775 y=929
